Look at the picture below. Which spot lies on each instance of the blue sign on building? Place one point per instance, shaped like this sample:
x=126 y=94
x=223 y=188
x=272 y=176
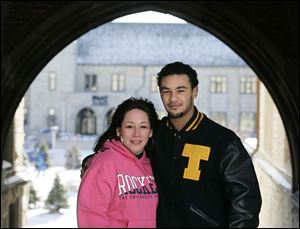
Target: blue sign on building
x=99 y=100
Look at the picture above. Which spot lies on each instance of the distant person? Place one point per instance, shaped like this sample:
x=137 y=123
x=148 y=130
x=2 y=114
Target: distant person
x=41 y=161
x=118 y=189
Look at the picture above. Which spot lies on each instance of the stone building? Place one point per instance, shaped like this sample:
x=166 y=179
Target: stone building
x=272 y=161
x=82 y=85
x=15 y=186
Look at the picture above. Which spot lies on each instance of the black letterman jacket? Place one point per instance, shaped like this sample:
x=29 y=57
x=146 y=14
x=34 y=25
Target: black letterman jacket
x=205 y=176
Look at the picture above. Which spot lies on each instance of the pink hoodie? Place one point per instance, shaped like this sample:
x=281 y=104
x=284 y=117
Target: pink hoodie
x=117 y=190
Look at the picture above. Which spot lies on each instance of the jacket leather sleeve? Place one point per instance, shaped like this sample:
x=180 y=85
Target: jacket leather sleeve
x=241 y=188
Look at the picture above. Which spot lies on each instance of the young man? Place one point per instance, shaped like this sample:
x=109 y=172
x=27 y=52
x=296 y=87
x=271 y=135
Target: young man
x=205 y=177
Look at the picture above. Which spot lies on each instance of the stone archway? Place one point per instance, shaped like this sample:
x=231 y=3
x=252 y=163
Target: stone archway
x=236 y=24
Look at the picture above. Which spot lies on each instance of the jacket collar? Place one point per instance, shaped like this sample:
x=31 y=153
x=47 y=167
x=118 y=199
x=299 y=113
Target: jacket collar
x=192 y=124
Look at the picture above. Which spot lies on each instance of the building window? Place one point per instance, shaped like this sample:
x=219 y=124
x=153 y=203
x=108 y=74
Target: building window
x=154 y=87
x=247 y=122
x=219 y=117
x=26 y=116
x=118 y=82
x=52 y=81
x=86 y=122
x=247 y=85
x=90 y=83
x=109 y=116
x=218 y=84
x=51 y=117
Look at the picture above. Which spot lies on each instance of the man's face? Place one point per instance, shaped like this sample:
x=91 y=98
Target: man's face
x=177 y=95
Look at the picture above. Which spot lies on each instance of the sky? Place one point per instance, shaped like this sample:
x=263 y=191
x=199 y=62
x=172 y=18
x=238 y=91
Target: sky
x=150 y=17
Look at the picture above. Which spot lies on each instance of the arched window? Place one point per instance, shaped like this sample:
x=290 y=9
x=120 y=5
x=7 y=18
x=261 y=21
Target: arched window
x=109 y=115
x=86 y=122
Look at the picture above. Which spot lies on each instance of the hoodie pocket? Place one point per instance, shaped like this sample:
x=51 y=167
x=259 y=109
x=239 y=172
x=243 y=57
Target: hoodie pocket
x=200 y=213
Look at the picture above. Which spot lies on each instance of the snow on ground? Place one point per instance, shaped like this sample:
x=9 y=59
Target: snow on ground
x=39 y=217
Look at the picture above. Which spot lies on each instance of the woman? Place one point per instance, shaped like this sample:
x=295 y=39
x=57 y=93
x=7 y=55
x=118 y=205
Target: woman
x=118 y=188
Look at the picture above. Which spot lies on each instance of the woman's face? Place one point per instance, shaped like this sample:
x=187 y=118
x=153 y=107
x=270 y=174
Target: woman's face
x=135 y=130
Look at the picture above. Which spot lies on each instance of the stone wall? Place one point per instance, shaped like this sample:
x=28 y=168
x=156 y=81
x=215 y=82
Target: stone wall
x=280 y=207
x=15 y=186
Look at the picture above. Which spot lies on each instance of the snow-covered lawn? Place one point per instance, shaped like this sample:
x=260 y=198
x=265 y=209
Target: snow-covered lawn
x=39 y=217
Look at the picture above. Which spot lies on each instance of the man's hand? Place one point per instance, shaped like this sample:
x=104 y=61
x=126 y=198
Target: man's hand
x=86 y=162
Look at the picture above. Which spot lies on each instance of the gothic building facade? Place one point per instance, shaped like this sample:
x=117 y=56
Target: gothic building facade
x=78 y=90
